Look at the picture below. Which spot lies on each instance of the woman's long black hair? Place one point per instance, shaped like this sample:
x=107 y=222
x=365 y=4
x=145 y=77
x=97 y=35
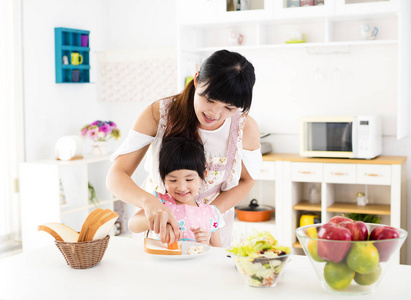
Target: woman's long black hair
x=227 y=76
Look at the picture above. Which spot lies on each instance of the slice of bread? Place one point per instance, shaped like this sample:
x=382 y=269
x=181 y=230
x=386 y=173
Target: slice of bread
x=102 y=227
x=87 y=223
x=156 y=247
x=60 y=232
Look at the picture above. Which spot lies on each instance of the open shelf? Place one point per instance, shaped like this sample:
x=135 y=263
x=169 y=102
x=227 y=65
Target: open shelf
x=69 y=41
x=297 y=245
x=376 y=209
x=305 y=205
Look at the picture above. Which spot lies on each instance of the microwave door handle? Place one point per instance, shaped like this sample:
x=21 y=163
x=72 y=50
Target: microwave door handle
x=355 y=137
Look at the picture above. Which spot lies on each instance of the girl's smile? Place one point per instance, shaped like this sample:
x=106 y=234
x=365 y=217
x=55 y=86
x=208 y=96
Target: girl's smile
x=183 y=186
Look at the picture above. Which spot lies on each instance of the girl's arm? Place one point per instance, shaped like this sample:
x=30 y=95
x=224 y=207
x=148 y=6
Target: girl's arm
x=119 y=180
x=203 y=237
x=230 y=198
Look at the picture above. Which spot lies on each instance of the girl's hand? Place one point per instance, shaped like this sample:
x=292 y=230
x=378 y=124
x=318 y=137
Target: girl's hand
x=158 y=216
x=201 y=235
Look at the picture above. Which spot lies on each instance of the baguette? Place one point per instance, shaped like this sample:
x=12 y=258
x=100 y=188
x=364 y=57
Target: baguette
x=156 y=247
x=60 y=232
x=102 y=227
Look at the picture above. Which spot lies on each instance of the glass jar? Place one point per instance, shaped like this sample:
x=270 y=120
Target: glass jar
x=361 y=199
x=314 y=194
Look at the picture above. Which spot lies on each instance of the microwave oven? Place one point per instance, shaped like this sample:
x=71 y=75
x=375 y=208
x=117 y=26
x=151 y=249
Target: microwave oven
x=341 y=137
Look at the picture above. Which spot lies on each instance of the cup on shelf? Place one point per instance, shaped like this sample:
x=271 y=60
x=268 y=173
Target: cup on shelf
x=293 y=3
x=235 y=38
x=65 y=60
x=368 y=32
x=76 y=58
x=306 y=2
x=84 y=40
x=75 y=75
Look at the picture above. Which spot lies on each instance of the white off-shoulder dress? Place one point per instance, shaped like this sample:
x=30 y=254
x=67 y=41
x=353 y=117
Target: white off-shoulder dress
x=224 y=153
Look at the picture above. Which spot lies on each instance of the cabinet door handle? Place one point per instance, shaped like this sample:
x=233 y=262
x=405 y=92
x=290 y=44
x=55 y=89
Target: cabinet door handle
x=372 y=175
x=338 y=173
x=305 y=172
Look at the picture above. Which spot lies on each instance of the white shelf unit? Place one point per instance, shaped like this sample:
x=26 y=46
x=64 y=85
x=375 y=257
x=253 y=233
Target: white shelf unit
x=333 y=28
x=266 y=180
x=382 y=179
x=46 y=185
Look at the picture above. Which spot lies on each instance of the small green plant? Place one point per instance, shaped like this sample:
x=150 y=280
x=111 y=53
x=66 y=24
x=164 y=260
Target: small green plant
x=92 y=195
x=366 y=218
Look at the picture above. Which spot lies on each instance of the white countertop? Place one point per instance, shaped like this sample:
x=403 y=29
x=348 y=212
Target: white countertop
x=127 y=272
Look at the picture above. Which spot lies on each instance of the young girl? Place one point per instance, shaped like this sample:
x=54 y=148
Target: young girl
x=182 y=169
x=212 y=109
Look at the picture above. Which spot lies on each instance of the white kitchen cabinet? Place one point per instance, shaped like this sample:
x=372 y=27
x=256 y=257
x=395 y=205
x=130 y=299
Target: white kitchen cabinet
x=269 y=184
x=382 y=179
x=57 y=191
x=348 y=7
x=194 y=12
x=205 y=26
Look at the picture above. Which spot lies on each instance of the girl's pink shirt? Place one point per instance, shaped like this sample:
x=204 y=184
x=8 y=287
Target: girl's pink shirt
x=202 y=215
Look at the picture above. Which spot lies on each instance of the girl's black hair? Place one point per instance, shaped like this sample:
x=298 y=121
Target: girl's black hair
x=181 y=153
x=229 y=77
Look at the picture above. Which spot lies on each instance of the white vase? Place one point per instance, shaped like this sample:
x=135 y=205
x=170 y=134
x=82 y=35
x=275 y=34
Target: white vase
x=100 y=148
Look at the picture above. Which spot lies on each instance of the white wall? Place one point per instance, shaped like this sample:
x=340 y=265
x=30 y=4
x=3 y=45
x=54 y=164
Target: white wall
x=53 y=110
x=300 y=83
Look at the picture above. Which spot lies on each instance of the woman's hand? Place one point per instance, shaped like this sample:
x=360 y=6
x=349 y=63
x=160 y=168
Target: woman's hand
x=158 y=216
x=201 y=235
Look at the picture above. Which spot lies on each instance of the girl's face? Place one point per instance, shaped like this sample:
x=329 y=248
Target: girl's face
x=183 y=185
x=211 y=113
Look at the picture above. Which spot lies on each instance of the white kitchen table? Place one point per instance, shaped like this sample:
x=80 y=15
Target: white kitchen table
x=127 y=272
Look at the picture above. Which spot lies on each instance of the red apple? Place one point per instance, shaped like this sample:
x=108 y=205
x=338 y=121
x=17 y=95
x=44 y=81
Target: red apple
x=339 y=219
x=386 y=248
x=358 y=230
x=333 y=251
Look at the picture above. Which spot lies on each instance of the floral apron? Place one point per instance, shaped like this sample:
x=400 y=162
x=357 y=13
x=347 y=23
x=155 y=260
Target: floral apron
x=220 y=169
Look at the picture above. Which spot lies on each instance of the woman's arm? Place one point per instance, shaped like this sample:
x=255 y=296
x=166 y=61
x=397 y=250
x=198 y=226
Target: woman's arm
x=119 y=180
x=230 y=198
x=138 y=223
x=215 y=239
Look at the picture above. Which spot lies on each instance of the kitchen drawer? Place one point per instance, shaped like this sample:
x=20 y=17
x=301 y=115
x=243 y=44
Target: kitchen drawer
x=307 y=172
x=340 y=173
x=374 y=174
x=267 y=171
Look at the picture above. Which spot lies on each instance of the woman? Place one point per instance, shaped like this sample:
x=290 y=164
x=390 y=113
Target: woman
x=213 y=110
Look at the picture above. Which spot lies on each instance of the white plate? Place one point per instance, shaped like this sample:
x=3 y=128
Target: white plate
x=185 y=246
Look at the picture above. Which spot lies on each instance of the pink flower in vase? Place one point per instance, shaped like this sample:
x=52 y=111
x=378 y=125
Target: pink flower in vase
x=93 y=134
x=84 y=131
x=105 y=128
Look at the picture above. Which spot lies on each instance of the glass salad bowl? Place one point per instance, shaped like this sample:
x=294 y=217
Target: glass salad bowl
x=259 y=259
x=350 y=267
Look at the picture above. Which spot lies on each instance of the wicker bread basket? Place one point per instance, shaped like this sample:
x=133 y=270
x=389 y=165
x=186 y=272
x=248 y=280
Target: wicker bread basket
x=83 y=255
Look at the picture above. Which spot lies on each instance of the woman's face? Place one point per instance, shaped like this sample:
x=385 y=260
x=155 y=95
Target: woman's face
x=211 y=113
x=183 y=185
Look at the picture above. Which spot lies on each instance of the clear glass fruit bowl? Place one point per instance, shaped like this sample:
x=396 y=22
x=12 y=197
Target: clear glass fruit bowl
x=261 y=271
x=350 y=267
